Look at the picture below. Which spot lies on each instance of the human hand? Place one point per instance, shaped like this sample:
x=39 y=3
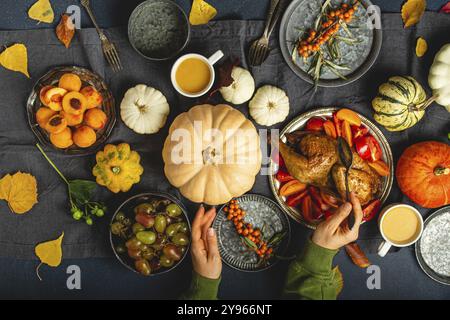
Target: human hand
x=335 y=233
x=206 y=259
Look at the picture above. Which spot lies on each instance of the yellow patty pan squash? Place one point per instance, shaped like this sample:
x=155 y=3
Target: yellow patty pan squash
x=118 y=167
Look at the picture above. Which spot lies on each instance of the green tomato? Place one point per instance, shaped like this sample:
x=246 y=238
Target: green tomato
x=165 y=261
x=173 y=210
x=183 y=227
x=146 y=237
x=172 y=229
x=89 y=221
x=120 y=216
x=133 y=244
x=137 y=227
x=145 y=208
x=160 y=223
x=180 y=239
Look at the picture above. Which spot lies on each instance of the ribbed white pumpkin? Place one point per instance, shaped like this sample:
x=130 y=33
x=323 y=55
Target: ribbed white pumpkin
x=144 y=109
x=212 y=154
x=269 y=106
x=439 y=77
x=242 y=88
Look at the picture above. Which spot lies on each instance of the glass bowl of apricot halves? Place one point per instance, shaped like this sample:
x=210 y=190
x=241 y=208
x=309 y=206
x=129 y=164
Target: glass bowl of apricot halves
x=72 y=110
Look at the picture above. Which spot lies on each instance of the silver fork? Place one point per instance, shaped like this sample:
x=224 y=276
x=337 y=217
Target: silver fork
x=259 y=50
x=109 y=50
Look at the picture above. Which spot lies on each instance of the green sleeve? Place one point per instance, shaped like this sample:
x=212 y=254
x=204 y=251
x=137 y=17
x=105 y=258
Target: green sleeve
x=310 y=276
x=202 y=288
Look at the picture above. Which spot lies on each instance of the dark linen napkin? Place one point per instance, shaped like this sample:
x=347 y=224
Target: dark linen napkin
x=19 y=234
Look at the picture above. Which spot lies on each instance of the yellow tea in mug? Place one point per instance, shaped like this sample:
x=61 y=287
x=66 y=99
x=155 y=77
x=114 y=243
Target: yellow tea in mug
x=193 y=75
x=401 y=225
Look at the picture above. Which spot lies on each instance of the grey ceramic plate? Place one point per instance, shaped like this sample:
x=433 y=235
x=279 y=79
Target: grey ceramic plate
x=158 y=29
x=260 y=211
x=88 y=78
x=297 y=124
x=300 y=16
x=428 y=248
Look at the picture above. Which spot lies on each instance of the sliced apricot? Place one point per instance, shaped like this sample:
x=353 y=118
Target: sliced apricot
x=380 y=167
x=95 y=118
x=54 y=96
x=56 y=124
x=43 y=115
x=350 y=116
x=72 y=119
x=70 y=82
x=62 y=139
x=42 y=96
x=330 y=129
x=84 y=136
x=74 y=103
x=347 y=132
x=94 y=98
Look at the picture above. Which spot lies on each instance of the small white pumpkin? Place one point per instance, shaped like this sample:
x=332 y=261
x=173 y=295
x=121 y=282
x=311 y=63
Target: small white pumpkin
x=439 y=77
x=269 y=106
x=242 y=88
x=144 y=109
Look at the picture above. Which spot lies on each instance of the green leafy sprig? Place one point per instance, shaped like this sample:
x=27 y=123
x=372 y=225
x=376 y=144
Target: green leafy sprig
x=80 y=193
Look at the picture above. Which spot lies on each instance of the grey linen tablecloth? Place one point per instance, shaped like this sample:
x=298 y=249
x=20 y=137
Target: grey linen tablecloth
x=19 y=234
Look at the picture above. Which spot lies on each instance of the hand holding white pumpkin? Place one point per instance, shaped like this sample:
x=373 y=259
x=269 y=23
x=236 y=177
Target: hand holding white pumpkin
x=144 y=109
x=439 y=77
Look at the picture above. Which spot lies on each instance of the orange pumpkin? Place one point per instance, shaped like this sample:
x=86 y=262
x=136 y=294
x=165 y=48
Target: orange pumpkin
x=423 y=174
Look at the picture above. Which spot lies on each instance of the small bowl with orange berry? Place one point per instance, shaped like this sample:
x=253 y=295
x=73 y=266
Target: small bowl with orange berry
x=72 y=110
x=253 y=233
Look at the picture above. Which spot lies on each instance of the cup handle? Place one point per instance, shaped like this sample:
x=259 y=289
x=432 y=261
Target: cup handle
x=216 y=57
x=384 y=248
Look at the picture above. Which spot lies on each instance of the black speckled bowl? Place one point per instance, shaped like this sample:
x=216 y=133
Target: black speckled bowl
x=158 y=29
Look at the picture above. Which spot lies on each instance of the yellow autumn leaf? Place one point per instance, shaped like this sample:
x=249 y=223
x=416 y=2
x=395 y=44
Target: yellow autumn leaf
x=421 y=47
x=20 y=191
x=5 y=187
x=201 y=12
x=49 y=253
x=42 y=11
x=15 y=58
x=412 y=12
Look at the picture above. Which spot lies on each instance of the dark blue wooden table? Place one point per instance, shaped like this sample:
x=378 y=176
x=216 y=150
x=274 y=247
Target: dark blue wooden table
x=401 y=277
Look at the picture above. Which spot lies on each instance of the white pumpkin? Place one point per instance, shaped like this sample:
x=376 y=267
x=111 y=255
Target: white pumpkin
x=242 y=88
x=269 y=106
x=212 y=154
x=439 y=77
x=144 y=109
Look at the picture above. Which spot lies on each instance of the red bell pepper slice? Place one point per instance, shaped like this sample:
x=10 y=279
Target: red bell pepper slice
x=283 y=176
x=368 y=148
x=294 y=200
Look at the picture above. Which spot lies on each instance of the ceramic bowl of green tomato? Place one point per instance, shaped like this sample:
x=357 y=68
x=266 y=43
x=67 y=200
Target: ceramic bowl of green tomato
x=150 y=233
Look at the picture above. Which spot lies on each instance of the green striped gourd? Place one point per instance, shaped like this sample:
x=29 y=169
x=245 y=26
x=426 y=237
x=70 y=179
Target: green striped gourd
x=400 y=103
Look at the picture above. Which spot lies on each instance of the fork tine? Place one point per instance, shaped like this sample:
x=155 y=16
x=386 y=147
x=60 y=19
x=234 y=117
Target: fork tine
x=108 y=58
x=116 y=57
x=260 y=55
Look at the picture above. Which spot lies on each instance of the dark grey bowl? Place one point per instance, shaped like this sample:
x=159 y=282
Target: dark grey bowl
x=295 y=16
x=127 y=207
x=158 y=29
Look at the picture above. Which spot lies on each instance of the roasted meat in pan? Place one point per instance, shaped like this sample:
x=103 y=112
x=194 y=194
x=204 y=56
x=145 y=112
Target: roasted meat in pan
x=312 y=164
x=312 y=158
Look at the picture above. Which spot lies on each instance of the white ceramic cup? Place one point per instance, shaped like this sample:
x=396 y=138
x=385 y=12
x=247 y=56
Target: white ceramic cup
x=387 y=244
x=209 y=61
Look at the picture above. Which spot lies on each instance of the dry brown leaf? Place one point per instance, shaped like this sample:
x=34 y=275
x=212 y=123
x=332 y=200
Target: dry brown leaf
x=201 y=12
x=50 y=253
x=421 y=47
x=20 y=191
x=15 y=58
x=412 y=12
x=65 y=30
